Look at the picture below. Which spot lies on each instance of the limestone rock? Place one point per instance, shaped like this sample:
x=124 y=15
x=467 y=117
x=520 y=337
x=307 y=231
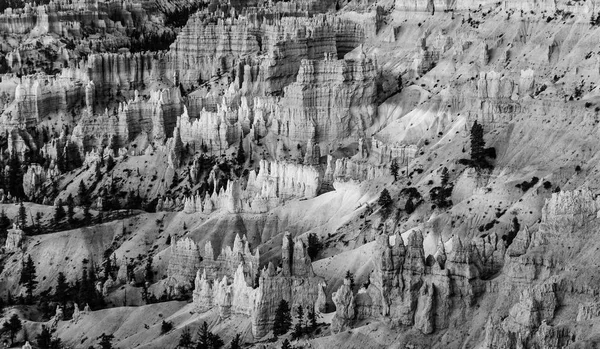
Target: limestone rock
x=184 y=260
x=344 y=307
x=14 y=238
x=424 y=315
x=232 y=294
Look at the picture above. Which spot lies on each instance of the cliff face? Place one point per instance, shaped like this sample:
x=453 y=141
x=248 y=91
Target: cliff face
x=296 y=283
x=412 y=290
x=275 y=183
x=330 y=100
x=227 y=262
x=204 y=48
x=40 y=96
x=184 y=261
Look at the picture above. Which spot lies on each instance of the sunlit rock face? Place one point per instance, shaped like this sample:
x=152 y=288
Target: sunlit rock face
x=274 y=184
x=205 y=49
x=234 y=294
x=330 y=100
x=184 y=260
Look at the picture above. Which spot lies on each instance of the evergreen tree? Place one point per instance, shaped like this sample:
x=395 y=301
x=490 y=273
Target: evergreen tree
x=477 y=145
x=215 y=341
x=314 y=245
x=385 y=201
x=108 y=265
x=22 y=215
x=28 y=278
x=203 y=341
x=283 y=319
x=62 y=287
x=350 y=277
x=149 y=273
x=236 y=342
x=38 y=221
x=409 y=207
x=87 y=216
x=299 y=327
x=394 y=169
x=185 y=340
x=82 y=194
x=106 y=341
x=44 y=339
x=70 y=209
x=59 y=212
x=312 y=319
x=15 y=177
x=13 y=326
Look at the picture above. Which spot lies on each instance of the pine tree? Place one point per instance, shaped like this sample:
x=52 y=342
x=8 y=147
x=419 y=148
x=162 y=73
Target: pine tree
x=59 y=212
x=394 y=169
x=62 y=287
x=409 y=207
x=385 y=201
x=13 y=326
x=87 y=216
x=203 y=341
x=350 y=277
x=22 y=215
x=215 y=342
x=314 y=245
x=236 y=342
x=38 y=221
x=15 y=177
x=477 y=145
x=44 y=339
x=185 y=340
x=82 y=194
x=312 y=319
x=299 y=327
x=28 y=278
x=149 y=273
x=283 y=319
x=70 y=209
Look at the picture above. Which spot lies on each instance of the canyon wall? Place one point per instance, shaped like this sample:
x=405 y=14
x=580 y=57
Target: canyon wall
x=275 y=183
x=295 y=282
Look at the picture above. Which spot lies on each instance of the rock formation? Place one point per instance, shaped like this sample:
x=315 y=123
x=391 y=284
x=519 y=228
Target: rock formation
x=14 y=238
x=184 y=260
x=275 y=183
x=344 y=307
x=296 y=283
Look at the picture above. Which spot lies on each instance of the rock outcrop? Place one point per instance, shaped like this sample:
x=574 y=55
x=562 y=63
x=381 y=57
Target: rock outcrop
x=412 y=292
x=14 y=238
x=205 y=49
x=344 y=307
x=296 y=283
x=184 y=261
x=275 y=183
